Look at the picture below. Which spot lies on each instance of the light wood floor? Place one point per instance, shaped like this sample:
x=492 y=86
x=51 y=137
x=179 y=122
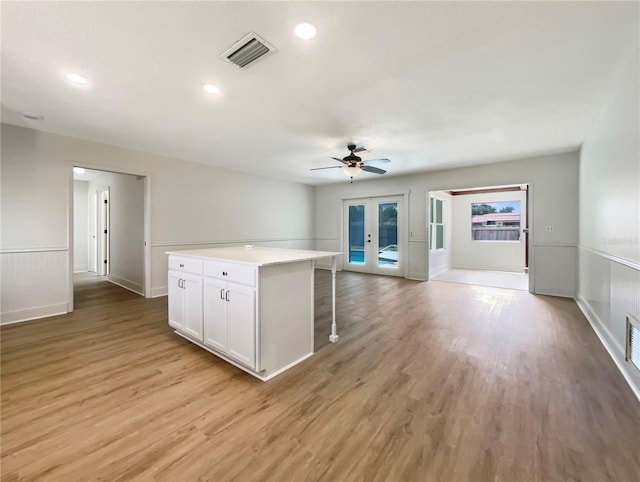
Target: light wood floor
x=429 y=381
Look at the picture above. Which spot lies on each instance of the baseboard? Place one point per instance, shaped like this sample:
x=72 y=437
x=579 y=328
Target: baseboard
x=81 y=269
x=27 y=314
x=436 y=273
x=160 y=291
x=126 y=284
x=562 y=292
x=615 y=351
x=416 y=277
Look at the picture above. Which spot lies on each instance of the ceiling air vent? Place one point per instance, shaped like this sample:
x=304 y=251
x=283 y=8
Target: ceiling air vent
x=247 y=50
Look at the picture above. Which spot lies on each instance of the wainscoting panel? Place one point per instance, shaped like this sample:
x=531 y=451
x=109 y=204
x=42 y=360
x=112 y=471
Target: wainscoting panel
x=608 y=291
x=554 y=270
x=34 y=284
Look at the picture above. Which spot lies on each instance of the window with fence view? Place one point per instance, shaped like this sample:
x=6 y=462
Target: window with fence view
x=495 y=221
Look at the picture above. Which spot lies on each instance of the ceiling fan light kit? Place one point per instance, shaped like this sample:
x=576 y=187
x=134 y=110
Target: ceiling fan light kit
x=351 y=171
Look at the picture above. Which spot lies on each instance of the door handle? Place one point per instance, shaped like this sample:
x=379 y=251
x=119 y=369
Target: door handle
x=226 y=295
x=368 y=240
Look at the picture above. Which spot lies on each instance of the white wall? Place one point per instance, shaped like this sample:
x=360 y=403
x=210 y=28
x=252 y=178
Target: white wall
x=440 y=260
x=609 y=286
x=126 y=225
x=553 y=181
x=491 y=255
x=80 y=226
x=192 y=206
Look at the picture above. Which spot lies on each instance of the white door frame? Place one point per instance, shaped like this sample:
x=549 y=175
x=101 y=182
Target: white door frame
x=403 y=248
x=147 y=223
x=92 y=243
x=104 y=231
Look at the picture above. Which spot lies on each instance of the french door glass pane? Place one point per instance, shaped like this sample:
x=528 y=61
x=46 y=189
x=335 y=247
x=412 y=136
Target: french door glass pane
x=388 y=235
x=439 y=236
x=356 y=234
x=438 y=211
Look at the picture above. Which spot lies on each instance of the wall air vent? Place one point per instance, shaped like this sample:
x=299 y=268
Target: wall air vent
x=633 y=342
x=247 y=50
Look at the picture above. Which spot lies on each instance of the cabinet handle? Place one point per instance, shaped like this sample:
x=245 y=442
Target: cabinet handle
x=181 y=265
x=222 y=294
x=224 y=273
x=226 y=295
x=179 y=283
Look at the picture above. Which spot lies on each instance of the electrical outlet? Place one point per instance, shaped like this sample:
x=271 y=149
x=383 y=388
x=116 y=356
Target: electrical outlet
x=549 y=229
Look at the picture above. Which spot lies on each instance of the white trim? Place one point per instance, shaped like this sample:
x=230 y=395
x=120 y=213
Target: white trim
x=235 y=241
x=552 y=245
x=615 y=259
x=18 y=316
x=560 y=292
x=607 y=340
x=159 y=291
x=126 y=284
x=32 y=250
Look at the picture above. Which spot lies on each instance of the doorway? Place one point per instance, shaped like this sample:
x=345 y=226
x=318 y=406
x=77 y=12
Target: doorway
x=480 y=236
x=111 y=236
x=373 y=235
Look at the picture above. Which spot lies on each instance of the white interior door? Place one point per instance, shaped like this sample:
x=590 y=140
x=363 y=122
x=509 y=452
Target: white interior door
x=373 y=235
x=92 y=222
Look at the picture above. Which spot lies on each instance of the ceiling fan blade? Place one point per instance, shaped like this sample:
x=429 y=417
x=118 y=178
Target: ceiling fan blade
x=360 y=149
x=376 y=161
x=340 y=160
x=373 y=169
x=330 y=167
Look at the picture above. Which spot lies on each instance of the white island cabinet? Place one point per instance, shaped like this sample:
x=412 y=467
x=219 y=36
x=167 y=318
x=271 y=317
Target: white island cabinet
x=251 y=306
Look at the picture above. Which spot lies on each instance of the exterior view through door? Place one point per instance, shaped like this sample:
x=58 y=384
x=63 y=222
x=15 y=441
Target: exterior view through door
x=372 y=235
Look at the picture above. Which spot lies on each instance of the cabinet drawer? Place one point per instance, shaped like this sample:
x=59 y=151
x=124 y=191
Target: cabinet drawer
x=186 y=265
x=236 y=273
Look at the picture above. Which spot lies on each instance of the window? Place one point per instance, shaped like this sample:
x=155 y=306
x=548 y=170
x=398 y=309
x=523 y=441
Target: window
x=495 y=221
x=436 y=224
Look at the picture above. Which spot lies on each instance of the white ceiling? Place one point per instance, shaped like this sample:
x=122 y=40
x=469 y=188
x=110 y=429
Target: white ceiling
x=427 y=84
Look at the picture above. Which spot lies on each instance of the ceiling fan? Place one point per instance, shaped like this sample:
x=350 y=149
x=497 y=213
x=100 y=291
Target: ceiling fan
x=353 y=165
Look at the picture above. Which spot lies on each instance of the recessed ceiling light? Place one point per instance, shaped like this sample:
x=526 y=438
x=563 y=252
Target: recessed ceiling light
x=305 y=31
x=78 y=170
x=32 y=116
x=76 y=79
x=211 y=89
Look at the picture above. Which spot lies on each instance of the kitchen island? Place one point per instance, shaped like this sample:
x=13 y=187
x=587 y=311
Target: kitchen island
x=251 y=306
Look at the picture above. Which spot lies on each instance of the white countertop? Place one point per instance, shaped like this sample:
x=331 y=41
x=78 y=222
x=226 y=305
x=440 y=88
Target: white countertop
x=257 y=256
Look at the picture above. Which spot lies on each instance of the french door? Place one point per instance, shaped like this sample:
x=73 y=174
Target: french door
x=372 y=235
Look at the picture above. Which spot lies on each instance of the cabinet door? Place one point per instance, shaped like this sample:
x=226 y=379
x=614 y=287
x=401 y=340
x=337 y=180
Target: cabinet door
x=192 y=305
x=176 y=301
x=215 y=314
x=241 y=324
